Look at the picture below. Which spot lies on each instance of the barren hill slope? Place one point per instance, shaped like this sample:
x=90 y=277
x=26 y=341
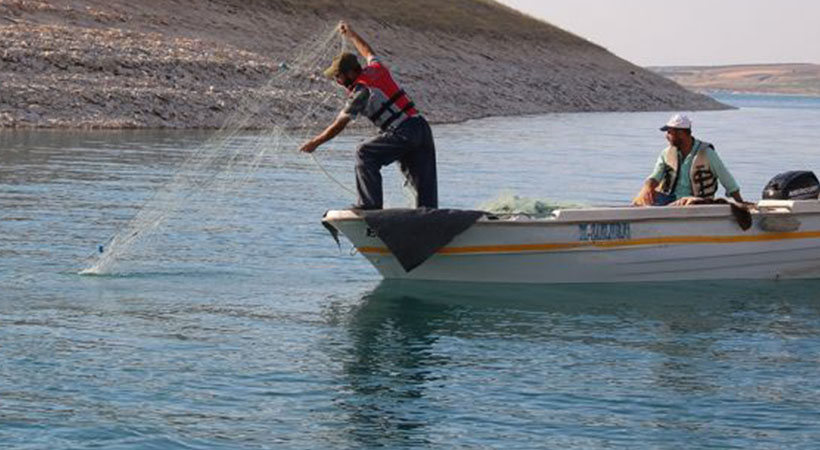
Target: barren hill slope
x=184 y=63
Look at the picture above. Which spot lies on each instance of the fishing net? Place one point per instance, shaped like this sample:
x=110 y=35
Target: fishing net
x=203 y=184
x=508 y=203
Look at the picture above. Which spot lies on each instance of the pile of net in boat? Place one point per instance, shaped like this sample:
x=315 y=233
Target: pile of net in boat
x=510 y=204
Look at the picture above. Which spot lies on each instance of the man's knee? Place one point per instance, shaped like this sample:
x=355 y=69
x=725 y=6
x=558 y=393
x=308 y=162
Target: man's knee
x=368 y=155
x=361 y=154
x=365 y=164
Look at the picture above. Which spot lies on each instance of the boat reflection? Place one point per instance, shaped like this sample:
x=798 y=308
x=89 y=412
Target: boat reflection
x=649 y=299
x=413 y=344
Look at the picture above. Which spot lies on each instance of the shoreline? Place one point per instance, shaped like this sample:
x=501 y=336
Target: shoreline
x=713 y=92
x=110 y=64
x=353 y=126
x=793 y=79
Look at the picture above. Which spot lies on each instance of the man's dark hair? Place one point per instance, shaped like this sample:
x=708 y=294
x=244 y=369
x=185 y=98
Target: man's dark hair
x=343 y=63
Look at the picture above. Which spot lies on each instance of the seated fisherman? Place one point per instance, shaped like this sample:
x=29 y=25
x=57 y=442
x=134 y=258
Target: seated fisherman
x=696 y=160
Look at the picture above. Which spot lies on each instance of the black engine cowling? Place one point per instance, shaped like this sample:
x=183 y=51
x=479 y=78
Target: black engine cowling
x=794 y=185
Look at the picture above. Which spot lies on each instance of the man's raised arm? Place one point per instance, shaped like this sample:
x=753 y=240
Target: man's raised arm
x=361 y=46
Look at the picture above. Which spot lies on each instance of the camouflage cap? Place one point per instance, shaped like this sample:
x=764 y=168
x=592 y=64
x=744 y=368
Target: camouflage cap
x=341 y=64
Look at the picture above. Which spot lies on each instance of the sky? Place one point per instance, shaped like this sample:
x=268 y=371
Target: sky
x=690 y=32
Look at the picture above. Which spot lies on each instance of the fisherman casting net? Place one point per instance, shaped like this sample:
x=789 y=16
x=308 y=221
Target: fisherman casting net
x=204 y=185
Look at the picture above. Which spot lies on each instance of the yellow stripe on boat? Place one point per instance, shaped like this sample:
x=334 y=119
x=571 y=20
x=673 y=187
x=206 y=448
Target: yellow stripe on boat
x=676 y=240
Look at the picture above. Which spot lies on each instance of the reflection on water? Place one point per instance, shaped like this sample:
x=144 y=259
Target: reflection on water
x=432 y=361
x=391 y=363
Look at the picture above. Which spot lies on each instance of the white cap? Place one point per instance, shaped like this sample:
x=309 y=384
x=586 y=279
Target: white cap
x=678 y=121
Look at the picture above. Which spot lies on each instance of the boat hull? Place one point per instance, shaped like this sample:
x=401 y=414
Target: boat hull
x=611 y=245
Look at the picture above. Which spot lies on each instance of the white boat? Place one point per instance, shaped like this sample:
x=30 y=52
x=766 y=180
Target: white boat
x=620 y=244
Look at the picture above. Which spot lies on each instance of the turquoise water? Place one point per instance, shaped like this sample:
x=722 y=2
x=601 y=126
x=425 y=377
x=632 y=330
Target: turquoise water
x=241 y=325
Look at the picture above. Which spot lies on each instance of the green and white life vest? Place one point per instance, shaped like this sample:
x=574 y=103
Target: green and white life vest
x=704 y=181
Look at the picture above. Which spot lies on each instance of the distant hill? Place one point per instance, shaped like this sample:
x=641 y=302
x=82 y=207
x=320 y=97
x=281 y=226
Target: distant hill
x=186 y=63
x=798 y=79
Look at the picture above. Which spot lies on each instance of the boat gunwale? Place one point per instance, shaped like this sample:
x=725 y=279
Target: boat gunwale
x=724 y=213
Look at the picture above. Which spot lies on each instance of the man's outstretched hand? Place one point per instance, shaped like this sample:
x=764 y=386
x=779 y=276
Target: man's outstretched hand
x=646 y=197
x=309 y=147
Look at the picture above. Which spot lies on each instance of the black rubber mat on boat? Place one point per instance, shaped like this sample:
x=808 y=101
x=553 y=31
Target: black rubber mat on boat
x=413 y=235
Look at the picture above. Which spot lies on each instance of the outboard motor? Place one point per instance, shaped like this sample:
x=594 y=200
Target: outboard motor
x=794 y=185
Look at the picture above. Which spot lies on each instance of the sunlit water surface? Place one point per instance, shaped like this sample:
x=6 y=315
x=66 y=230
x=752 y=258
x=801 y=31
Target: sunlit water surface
x=239 y=324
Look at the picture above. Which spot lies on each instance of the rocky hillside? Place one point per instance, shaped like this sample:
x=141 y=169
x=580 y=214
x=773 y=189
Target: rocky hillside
x=794 y=79
x=187 y=63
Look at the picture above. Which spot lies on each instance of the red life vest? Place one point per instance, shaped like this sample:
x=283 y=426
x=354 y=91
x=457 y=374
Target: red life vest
x=388 y=104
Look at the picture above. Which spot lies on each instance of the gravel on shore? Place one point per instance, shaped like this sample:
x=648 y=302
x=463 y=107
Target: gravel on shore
x=191 y=64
